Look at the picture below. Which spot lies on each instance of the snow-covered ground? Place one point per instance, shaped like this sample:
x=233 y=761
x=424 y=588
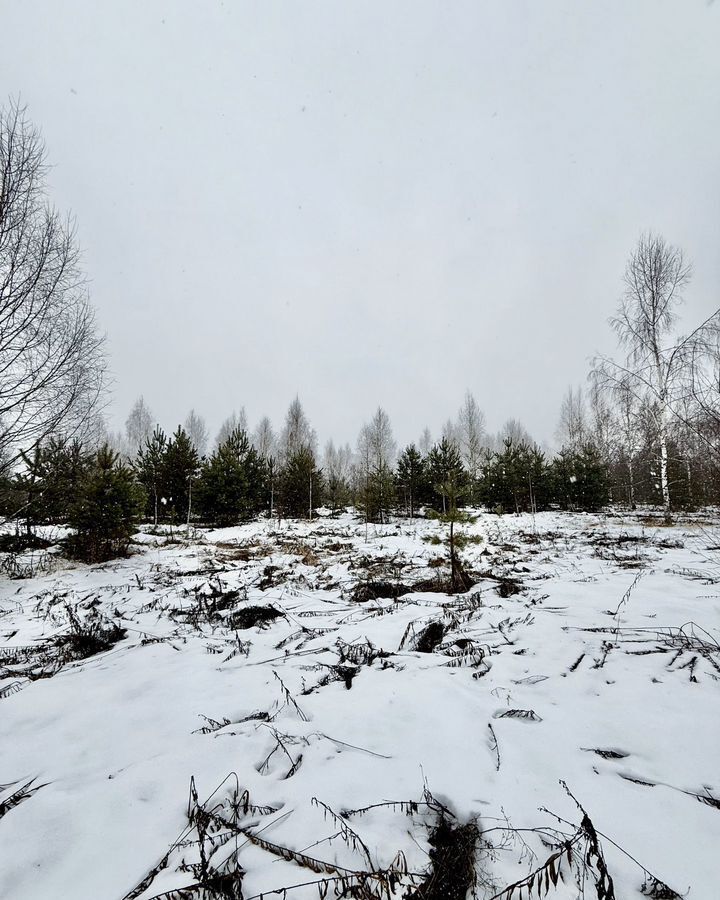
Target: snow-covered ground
x=584 y=661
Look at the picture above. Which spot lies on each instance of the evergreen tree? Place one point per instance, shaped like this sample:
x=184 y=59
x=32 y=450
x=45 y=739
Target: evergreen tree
x=412 y=480
x=580 y=478
x=377 y=493
x=181 y=468
x=444 y=465
x=108 y=500
x=337 y=468
x=51 y=480
x=376 y=455
x=231 y=484
x=516 y=478
x=300 y=484
x=452 y=489
x=150 y=470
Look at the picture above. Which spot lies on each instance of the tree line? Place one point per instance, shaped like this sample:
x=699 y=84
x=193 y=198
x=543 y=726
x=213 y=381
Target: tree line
x=646 y=430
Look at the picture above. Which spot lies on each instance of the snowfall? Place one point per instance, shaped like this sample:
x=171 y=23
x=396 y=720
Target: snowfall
x=221 y=748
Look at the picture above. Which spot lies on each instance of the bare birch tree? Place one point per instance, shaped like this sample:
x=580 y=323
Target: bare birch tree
x=629 y=429
x=138 y=426
x=337 y=466
x=656 y=361
x=451 y=433
x=297 y=433
x=601 y=420
x=425 y=442
x=471 y=436
x=196 y=430
x=572 y=425
x=235 y=421
x=703 y=402
x=52 y=364
x=264 y=440
x=515 y=431
x=376 y=455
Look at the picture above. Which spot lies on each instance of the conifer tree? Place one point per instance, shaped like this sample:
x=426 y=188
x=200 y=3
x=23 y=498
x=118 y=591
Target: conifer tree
x=444 y=464
x=376 y=455
x=300 y=484
x=107 y=502
x=151 y=469
x=51 y=480
x=337 y=467
x=231 y=484
x=411 y=479
x=516 y=478
x=580 y=478
x=452 y=488
x=182 y=465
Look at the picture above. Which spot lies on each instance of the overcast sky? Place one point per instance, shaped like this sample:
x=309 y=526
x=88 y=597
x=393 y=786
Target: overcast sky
x=370 y=202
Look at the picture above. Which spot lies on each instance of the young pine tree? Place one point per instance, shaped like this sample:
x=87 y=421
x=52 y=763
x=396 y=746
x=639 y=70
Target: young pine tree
x=51 y=478
x=412 y=481
x=231 y=487
x=444 y=465
x=150 y=470
x=181 y=468
x=580 y=478
x=103 y=515
x=516 y=478
x=300 y=484
x=452 y=490
x=337 y=469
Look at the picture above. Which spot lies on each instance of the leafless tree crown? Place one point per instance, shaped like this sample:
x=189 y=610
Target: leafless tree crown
x=52 y=362
x=655 y=276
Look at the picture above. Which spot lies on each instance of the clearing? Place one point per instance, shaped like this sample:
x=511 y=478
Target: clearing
x=267 y=707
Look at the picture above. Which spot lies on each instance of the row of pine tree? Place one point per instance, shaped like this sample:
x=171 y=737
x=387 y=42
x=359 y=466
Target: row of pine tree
x=102 y=492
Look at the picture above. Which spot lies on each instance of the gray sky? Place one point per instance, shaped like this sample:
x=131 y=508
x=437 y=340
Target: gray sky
x=370 y=202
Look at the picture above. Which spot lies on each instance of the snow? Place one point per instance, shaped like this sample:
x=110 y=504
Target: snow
x=113 y=740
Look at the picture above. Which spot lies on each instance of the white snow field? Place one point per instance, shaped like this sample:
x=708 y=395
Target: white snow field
x=585 y=661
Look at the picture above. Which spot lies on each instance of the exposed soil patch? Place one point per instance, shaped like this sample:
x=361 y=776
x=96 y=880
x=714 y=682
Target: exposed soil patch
x=453 y=863
x=508 y=588
x=85 y=642
x=19 y=543
x=250 y=616
x=428 y=639
x=379 y=590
